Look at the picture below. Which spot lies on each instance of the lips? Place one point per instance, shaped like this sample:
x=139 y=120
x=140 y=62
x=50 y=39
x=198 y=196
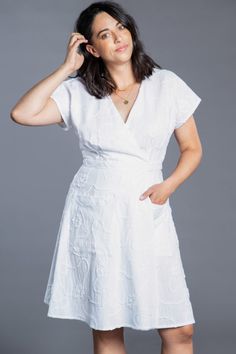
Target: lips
x=121 y=48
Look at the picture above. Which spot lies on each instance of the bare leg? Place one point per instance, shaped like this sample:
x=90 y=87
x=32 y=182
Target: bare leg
x=177 y=340
x=109 y=342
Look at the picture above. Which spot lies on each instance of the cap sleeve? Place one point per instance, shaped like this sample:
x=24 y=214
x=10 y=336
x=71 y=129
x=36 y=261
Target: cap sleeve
x=61 y=95
x=185 y=100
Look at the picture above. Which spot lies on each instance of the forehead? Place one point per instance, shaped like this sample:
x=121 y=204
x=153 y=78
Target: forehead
x=103 y=20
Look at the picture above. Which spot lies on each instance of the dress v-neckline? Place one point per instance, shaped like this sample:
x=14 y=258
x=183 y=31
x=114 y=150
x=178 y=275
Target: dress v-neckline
x=112 y=104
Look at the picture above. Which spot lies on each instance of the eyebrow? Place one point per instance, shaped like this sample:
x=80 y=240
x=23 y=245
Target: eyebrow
x=106 y=29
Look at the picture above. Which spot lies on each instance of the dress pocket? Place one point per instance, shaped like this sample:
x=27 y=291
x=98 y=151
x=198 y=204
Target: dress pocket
x=91 y=222
x=158 y=210
x=163 y=238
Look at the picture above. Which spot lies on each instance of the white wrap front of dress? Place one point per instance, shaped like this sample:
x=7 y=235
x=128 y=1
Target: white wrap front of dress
x=117 y=261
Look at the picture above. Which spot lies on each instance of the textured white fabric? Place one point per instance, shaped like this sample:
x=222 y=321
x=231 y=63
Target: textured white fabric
x=117 y=261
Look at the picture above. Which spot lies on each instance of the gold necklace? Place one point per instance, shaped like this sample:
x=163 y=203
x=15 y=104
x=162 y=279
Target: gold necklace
x=125 y=101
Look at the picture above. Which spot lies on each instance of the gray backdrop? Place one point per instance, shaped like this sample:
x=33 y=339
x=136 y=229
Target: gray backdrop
x=196 y=39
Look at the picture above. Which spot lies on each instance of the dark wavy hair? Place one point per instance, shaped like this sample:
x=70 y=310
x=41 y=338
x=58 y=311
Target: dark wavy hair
x=93 y=72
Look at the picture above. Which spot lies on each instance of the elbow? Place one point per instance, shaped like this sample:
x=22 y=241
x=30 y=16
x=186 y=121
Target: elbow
x=197 y=149
x=200 y=157
x=16 y=117
x=196 y=152
x=200 y=151
x=13 y=115
x=199 y=154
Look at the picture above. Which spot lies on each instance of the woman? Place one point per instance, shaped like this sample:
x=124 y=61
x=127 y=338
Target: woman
x=116 y=261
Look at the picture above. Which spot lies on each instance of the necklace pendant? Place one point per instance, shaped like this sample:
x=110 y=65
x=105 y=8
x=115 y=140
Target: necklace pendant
x=125 y=101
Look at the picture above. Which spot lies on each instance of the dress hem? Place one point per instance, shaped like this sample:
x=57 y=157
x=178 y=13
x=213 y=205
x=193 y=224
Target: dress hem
x=128 y=325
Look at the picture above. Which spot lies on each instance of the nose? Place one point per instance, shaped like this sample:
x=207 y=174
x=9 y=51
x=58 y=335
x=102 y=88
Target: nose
x=117 y=37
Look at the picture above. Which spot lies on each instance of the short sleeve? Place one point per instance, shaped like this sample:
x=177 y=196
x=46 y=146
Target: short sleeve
x=185 y=100
x=62 y=96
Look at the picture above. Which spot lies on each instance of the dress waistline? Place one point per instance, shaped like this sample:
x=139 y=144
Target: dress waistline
x=126 y=163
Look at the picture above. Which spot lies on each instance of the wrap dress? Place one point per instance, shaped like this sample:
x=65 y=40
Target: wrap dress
x=117 y=261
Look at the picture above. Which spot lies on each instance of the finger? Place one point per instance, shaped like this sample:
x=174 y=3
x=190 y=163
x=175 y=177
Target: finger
x=76 y=33
x=77 y=41
x=75 y=36
x=144 y=195
x=147 y=193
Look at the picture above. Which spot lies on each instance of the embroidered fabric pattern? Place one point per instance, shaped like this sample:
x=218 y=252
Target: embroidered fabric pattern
x=117 y=259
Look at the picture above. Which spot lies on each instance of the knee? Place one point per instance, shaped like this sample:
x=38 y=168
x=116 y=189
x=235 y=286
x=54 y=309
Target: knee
x=181 y=334
x=186 y=333
x=108 y=335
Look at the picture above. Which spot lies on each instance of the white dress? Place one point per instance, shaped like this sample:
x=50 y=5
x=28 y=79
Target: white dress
x=117 y=261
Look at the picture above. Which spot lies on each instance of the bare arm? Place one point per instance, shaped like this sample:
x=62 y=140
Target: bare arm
x=190 y=157
x=36 y=107
x=190 y=153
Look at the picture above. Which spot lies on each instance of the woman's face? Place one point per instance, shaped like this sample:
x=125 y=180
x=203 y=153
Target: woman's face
x=108 y=35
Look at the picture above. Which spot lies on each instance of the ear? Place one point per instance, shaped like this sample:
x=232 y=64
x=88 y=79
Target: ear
x=92 y=51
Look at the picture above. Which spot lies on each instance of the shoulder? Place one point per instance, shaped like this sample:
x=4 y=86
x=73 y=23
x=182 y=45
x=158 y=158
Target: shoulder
x=163 y=75
x=74 y=85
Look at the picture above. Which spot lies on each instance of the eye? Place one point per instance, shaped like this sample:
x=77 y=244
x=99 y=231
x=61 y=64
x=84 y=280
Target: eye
x=103 y=36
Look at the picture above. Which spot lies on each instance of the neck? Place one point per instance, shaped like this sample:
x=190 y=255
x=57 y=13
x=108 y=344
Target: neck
x=122 y=74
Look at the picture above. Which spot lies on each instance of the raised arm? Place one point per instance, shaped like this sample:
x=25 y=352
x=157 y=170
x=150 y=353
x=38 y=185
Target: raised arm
x=36 y=107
